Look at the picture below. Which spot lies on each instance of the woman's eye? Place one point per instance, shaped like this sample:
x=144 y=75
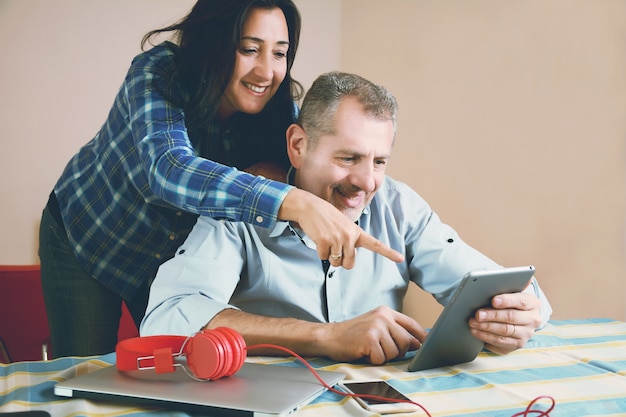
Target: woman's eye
x=247 y=51
x=280 y=54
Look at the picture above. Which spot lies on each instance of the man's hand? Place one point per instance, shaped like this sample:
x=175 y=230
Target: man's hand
x=509 y=324
x=379 y=336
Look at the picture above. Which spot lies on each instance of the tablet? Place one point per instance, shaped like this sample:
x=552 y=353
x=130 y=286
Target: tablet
x=450 y=341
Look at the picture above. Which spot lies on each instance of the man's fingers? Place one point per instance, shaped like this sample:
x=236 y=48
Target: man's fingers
x=369 y=242
x=519 y=301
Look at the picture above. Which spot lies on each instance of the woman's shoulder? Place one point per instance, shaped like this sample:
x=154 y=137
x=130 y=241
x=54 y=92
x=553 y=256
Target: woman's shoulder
x=158 y=56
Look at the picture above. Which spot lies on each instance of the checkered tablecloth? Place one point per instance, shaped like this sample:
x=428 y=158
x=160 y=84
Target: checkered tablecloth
x=579 y=363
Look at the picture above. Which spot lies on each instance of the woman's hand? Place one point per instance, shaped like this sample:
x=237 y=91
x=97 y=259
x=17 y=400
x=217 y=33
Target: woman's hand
x=336 y=236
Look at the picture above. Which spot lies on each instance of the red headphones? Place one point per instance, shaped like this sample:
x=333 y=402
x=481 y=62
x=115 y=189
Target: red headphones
x=211 y=354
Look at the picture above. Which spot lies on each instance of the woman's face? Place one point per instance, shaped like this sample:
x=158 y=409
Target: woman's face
x=260 y=63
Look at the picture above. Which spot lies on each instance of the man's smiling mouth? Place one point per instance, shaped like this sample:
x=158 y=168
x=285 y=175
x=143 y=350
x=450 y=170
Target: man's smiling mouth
x=351 y=200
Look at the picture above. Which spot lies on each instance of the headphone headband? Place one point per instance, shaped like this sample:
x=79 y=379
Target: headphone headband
x=149 y=352
x=211 y=354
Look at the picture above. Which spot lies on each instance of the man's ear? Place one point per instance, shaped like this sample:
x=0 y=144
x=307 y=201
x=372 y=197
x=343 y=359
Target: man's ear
x=296 y=144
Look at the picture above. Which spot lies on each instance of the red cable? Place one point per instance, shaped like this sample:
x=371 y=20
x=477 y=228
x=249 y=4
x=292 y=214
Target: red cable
x=524 y=413
x=540 y=413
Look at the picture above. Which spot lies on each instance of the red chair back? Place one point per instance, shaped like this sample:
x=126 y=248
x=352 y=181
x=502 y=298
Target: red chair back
x=24 y=332
x=23 y=320
x=127 y=328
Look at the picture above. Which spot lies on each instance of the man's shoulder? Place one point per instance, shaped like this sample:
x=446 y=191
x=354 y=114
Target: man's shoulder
x=398 y=192
x=398 y=198
x=394 y=185
x=206 y=225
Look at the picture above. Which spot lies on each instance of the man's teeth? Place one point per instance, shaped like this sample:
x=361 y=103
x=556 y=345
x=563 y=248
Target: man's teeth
x=256 y=88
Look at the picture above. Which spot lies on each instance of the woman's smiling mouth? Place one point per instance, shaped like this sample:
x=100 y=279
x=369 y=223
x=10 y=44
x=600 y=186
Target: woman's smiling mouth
x=255 y=88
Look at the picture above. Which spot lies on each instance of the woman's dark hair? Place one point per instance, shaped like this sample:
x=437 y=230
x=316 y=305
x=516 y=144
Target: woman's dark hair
x=208 y=38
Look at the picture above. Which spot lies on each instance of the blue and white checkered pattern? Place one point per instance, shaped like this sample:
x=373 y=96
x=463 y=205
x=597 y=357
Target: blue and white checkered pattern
x=131 y=195
x=580 y=363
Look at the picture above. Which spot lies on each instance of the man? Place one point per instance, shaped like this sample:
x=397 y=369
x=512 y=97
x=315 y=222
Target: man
x=270 y=285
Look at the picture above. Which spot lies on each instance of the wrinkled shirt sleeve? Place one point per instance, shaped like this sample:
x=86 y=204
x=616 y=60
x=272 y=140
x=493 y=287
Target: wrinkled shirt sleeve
x=195 y=285
x=437 y=256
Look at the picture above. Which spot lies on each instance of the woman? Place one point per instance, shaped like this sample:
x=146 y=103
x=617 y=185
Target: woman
x=187 y=114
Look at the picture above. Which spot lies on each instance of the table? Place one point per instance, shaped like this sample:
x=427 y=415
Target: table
x=580 y=363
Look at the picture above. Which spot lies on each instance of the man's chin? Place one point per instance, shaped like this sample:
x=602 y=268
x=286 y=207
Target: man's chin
x=352 y=214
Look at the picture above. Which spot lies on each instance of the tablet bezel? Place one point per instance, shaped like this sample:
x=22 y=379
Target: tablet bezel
x=450 y=341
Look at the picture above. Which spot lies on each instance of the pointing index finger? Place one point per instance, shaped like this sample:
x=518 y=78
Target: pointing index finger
x=369 y=242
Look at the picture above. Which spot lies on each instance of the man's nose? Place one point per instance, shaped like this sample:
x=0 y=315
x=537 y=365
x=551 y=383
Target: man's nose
x=363 y=177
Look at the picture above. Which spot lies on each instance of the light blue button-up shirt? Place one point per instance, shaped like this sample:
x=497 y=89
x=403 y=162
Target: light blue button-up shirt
x=277 y=272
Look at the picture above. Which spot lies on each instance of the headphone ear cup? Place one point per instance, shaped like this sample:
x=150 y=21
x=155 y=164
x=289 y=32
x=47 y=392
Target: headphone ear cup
x=206 y=356
x=213 y=354
x=237 y=346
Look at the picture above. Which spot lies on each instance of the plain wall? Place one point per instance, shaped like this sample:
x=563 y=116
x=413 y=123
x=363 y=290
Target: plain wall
x=512 y=118
x=512 y=125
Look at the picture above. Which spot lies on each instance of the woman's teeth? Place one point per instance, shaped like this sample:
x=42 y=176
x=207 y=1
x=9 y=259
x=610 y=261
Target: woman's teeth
x=256 y=88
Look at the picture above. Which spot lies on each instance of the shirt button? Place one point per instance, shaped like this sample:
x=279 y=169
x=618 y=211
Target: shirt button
x=179 y=213
x=259 y=219
x=158 y=256
x=172 y=237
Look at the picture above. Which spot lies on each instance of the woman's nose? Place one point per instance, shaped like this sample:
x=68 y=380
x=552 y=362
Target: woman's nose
x=263 y=67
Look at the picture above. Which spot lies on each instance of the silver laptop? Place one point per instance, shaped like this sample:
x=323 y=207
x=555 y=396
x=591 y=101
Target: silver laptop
x=255 y=390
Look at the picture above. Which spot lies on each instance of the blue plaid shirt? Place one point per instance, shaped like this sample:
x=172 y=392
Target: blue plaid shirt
x=132 y=194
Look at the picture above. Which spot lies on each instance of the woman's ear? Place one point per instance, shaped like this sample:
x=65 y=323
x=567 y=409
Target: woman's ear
x=296 y=144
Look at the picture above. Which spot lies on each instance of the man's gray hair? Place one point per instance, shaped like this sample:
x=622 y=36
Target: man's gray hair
x=321 y=102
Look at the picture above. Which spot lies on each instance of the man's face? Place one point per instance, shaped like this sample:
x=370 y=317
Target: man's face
x=347 y=168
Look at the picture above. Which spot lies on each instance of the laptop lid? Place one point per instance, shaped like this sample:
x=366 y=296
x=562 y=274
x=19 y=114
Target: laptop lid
x=450 y=341
x=255 y=390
